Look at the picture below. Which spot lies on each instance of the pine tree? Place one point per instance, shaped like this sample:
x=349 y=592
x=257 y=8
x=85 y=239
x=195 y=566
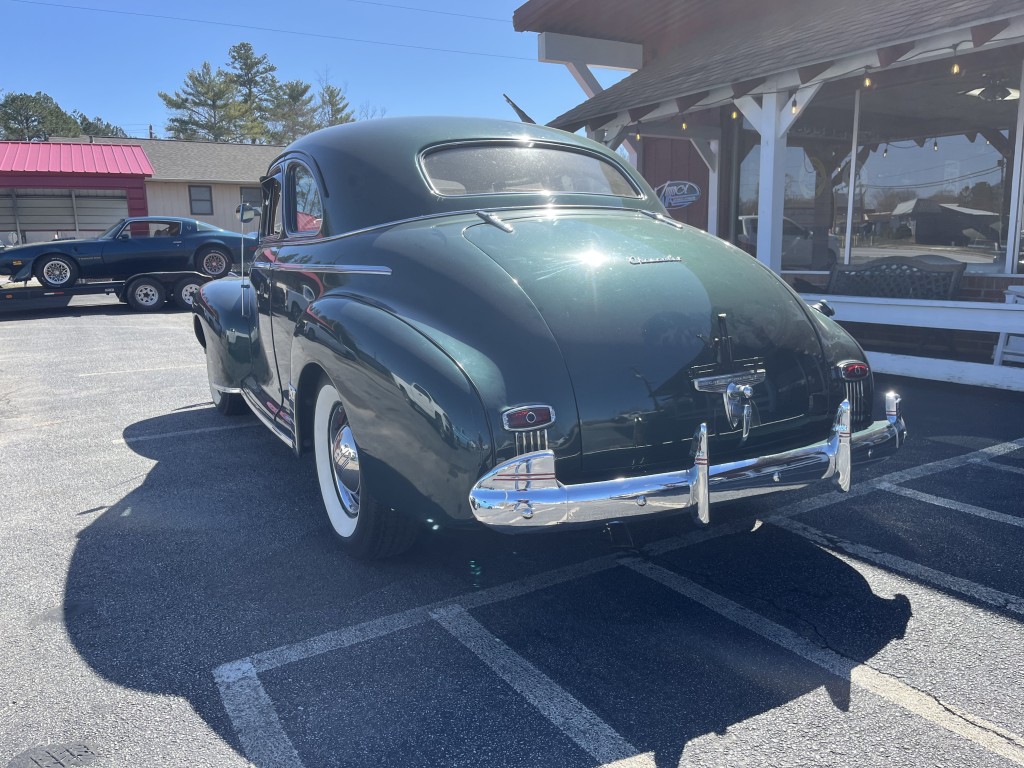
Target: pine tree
x=34 y=117
x=332 y=107
x=293 y=114
x=256 y=86
x=206 y=108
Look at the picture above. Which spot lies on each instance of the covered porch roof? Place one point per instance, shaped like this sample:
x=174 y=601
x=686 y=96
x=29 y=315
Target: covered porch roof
x=724 y=50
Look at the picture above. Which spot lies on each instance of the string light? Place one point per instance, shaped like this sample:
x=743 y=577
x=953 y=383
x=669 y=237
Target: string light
x=794 y=109
x=867 y=79
x=638 y=135
x=735 y=114
x=955 y=69
x=684 y=125
x=885 y=152
x=935 y=145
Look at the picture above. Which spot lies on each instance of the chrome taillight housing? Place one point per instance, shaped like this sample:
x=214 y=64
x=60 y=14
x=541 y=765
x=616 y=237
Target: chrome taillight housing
x=530 y=424
x=856 y=377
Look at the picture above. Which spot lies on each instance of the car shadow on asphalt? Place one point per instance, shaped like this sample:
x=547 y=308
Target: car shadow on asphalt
x=223 y=551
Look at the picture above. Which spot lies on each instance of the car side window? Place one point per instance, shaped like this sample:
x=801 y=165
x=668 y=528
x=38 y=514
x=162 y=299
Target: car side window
x=791 y=228
x=271 y=225
x=305 y=209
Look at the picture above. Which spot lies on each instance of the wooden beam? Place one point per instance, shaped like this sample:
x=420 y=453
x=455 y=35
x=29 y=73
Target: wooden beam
x=637 y=113
x=983 y=33
x=811 y=71
x=683 y=103
x=1001 y=144
x=745 y=87
x=893 y=53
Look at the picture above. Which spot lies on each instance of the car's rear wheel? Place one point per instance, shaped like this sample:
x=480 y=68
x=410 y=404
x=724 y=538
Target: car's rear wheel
x=366 y=528
x=215 y=262
x=185 y=291
x=146 y=294
x=56 y=271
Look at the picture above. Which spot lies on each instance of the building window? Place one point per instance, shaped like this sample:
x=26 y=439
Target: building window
x=251 y=196
x=200 y=200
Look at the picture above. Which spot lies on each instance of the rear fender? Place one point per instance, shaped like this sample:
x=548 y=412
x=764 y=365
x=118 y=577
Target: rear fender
x=417 y=418
x=224 y=331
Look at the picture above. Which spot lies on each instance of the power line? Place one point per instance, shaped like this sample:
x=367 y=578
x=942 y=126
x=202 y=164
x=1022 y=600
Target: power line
x=275 y=30
x=427 y=10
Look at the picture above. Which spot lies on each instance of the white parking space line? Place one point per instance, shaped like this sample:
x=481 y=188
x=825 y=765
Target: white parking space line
x=182 y=433
x=944 y=581
x=252 y=712
x=981 y=732
x=1006 y=468
x=958 y=506
x=140 y=370
x=560 y=707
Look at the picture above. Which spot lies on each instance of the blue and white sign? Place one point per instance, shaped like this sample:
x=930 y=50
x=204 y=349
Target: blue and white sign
x=678 y=194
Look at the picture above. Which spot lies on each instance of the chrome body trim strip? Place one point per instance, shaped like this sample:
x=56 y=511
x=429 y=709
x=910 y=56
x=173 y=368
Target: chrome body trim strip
x=226 y=390
x=338 y=269
x=524 y=495
x=261 y=414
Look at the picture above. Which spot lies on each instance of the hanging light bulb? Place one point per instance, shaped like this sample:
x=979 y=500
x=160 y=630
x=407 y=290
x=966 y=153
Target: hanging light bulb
x=885 y=152
x=735 y=114
x=684 y=125
x=867 y=80
x=638 y=135
x=955 y=69
x=935 y=145
x=794 y=109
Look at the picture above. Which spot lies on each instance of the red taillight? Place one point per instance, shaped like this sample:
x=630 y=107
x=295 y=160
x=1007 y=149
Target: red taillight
x=854 y=370
x=527 y=417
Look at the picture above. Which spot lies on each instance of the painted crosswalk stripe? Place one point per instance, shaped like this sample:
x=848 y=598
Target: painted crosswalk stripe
x=971 y=727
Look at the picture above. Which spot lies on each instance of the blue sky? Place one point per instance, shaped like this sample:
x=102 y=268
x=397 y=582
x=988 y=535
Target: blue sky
x=411 y=57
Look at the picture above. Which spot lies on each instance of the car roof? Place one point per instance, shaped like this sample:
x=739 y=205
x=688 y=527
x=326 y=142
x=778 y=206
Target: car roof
x=370 y=169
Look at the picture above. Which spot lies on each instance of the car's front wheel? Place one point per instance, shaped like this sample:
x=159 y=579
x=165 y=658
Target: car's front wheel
x=56 y=271
x=215 y=262
x=366 y=528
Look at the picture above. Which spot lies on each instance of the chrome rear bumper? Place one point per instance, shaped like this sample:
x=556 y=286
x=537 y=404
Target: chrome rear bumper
x=523 y=495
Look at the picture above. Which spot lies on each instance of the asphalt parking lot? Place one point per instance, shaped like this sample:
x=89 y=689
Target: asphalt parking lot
x=171 y=596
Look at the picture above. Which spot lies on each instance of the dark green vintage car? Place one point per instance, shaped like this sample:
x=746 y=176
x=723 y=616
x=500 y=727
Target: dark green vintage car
x=479 y=321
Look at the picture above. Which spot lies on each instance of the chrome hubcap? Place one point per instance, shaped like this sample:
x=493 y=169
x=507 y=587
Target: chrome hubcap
x=57 y=272
x=344 y=461
x=214 y=263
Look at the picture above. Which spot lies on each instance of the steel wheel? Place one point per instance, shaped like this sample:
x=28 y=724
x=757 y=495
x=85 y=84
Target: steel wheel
x=185 y=291
x=145 y=295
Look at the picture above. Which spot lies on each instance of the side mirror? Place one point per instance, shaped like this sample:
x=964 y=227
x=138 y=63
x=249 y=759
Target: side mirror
x=125 y=235
x=246 y=212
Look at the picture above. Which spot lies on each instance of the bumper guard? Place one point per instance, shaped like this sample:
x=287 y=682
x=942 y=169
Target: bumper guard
x=523 y=494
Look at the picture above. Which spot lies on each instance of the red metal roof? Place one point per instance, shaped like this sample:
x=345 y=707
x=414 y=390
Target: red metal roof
x=99 y=159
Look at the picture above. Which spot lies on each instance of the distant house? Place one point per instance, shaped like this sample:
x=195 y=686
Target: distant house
x=78 y=187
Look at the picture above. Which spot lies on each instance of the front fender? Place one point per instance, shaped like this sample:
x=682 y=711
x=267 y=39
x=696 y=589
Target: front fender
x=224 y=330
x=419 y=422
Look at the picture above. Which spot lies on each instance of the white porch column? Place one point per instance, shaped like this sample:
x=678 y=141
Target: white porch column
x=771 y=191
x=773 y=119
x=708 y=151
x=1016 y=193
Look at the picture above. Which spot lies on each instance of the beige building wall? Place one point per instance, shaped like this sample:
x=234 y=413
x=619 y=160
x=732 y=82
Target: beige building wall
x=170 y=198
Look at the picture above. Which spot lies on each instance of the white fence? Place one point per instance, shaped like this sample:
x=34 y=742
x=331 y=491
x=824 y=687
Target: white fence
x=954 y=315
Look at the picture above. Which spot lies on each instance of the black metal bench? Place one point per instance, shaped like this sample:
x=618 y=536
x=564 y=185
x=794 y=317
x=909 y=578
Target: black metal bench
x=929 y=276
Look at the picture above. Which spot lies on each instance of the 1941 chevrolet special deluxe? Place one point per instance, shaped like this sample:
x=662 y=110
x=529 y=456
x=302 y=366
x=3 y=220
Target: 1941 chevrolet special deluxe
x=472 y=320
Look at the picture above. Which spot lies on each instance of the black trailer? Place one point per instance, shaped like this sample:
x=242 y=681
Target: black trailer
x=143 y=293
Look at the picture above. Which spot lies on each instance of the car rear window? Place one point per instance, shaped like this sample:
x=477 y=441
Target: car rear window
x=495 y=169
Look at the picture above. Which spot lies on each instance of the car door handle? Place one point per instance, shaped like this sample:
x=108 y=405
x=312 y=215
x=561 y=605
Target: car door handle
x=178 y=242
